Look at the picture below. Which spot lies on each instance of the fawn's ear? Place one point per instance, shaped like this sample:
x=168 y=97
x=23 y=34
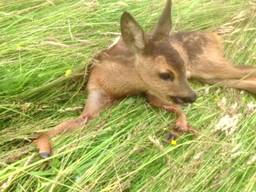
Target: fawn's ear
x=164 y=24
x=132 y=33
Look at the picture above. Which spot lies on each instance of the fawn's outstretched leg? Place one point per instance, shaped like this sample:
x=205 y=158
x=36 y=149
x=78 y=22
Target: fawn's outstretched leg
x=247 y=84
x=226 y=74
x=97 y=100
x=181 y=122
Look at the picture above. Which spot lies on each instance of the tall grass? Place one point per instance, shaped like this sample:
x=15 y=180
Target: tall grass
x=124 y=149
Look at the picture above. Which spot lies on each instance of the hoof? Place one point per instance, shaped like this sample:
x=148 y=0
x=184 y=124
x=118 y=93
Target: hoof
x=171 y=136
x=44 y=155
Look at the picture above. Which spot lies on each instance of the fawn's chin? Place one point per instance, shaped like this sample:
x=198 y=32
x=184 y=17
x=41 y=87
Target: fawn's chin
x=170 y=101
x=176 y=100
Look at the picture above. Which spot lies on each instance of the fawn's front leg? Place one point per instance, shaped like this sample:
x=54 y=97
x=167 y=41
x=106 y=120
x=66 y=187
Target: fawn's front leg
x=181 y=125
x=97 y=100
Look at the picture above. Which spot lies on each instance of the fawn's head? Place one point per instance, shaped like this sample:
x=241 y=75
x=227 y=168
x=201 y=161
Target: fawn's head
x=158 y=64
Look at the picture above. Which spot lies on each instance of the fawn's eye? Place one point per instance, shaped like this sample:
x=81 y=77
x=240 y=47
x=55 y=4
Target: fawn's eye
x=166 y=76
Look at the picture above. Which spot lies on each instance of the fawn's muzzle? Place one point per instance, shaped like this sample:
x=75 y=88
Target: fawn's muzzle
x=180 y=100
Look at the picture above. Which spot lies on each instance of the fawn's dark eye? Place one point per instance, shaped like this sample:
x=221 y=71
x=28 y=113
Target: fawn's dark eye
x=166 y=76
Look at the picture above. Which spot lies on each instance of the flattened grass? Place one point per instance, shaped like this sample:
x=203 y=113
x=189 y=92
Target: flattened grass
x=123 y=149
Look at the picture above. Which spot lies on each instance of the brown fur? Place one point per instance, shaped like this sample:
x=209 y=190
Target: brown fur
x=158 y=65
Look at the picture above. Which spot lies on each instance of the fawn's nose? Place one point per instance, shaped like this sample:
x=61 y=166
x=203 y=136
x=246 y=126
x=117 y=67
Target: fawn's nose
x=189 y=99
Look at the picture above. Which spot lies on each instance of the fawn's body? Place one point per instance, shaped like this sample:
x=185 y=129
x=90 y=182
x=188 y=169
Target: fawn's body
x=158 y=65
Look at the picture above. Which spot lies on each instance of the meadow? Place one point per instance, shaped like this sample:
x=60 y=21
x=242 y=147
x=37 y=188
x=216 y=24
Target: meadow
x=44 y=44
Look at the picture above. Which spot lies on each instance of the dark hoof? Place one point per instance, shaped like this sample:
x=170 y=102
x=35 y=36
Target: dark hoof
x=172 y=136
x=44 y=155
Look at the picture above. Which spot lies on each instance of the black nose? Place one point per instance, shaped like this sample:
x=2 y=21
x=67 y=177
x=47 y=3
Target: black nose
x=189 y=99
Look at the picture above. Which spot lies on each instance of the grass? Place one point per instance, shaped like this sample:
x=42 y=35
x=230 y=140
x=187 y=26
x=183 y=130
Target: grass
x=123 y=149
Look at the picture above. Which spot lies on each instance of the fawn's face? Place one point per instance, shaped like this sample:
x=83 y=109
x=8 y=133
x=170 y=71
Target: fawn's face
x=158 y=64
x=163 y=71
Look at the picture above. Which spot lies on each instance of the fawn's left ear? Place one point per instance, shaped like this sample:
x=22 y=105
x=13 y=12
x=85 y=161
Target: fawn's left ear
x=164 y=24
x=132 y=33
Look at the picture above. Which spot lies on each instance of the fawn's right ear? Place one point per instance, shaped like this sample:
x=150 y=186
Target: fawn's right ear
x=132 y=33
x=164 y=24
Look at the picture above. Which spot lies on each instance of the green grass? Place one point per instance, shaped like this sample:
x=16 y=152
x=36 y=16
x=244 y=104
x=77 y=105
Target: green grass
x=123 y=149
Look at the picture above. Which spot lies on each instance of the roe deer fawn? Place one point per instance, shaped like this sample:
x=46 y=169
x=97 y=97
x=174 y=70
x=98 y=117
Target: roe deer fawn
x=157 y=64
